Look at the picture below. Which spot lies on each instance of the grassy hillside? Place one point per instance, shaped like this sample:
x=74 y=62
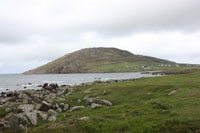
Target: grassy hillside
x=101 y=60
x=139 y=106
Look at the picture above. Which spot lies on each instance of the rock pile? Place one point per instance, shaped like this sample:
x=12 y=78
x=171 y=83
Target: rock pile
x=24 y=107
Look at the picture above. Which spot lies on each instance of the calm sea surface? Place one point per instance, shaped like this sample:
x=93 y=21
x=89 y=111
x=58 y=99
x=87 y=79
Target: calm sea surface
x=20 y=81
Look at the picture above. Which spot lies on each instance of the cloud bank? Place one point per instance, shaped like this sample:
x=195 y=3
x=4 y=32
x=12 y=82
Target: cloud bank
x=35 y=32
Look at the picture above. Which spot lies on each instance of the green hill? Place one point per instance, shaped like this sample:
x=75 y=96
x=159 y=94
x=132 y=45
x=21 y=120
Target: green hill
x=101 y=60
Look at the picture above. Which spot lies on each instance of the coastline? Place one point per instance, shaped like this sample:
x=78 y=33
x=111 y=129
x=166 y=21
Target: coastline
x=59 y=105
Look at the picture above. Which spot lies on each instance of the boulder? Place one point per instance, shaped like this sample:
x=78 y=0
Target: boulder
x=19 y=121
x=45 y=85
x=172 y=92
x=86 y=97
x=8 y=110
x=79 y=100
x=23 y=95
x=7 y=117
x=45 y=106
x=104 y=92
x=98 y=101
x=52 y=118
x=43 y=115
x=40 y=86
x=50 y=87
x=87 y=91
x=32 y=116
x=3 y=94
x=76 y=108
x=61 y=100
x=66 y=107
x=4 y=124
x=54 y=86
x=52 y=112
x=25 y=101
x=94 y=105
x=38 y=106
x=149 y=93
x=25 y=108
x=62 y=105
x=7 y=99
x=60 y=93
x=51 y=96
x=86 y=118
x=59 y=109
x=49 y=100
x=105 y=102
x=69 y=90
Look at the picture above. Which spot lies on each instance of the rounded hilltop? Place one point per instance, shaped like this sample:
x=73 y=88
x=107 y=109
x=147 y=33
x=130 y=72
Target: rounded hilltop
x=90 y=60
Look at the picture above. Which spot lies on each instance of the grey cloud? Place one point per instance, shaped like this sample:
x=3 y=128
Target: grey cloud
x=21 y=19
x=41 y=31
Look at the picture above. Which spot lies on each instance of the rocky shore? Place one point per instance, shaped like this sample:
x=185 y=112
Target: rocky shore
x=22 y=109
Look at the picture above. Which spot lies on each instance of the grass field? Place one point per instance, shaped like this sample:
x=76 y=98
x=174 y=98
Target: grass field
x=139 y=106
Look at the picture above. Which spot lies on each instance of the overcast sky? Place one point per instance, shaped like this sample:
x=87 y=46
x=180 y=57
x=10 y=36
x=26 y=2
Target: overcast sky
x=34 y=32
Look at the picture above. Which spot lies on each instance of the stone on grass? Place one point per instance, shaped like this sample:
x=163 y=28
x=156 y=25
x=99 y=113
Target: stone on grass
x=52 y=118
x=104 y=92
x=59 y=109
x=94 y=105
x=76 y=108
x=86 y=97
x=172 y=92
x=66 y=107
x=79 y=100
x=149 y=93
x=52 y=112
x=98 y=101
x=86 y=118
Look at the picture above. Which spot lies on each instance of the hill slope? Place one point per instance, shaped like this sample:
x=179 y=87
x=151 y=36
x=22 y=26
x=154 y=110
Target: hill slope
x=99 y=60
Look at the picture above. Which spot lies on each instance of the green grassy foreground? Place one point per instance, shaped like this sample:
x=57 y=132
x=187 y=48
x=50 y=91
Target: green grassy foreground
x=139 y=106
